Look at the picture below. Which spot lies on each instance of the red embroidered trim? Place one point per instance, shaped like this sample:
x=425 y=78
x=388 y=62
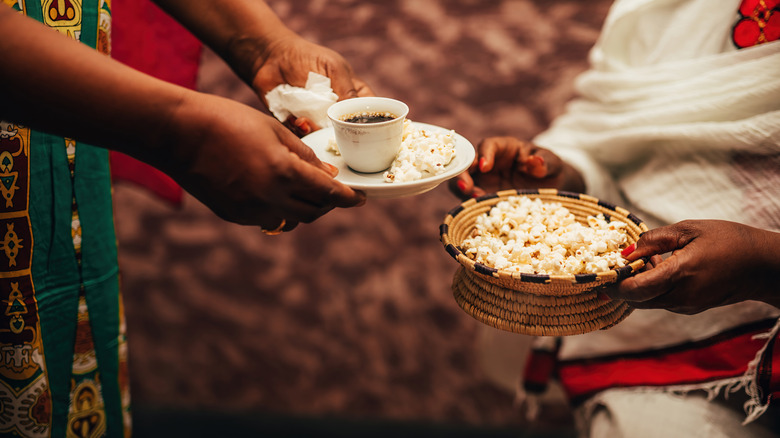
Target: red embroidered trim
x=759 y=23
x=724 y=356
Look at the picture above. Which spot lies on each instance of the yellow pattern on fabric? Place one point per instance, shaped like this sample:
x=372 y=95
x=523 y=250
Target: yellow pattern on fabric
x=10 y=244
x=24 y=387
x=64 y=16
x=8 y=176
x=87 y=417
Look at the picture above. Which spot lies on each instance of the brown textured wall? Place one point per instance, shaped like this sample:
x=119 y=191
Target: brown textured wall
x=351 y=315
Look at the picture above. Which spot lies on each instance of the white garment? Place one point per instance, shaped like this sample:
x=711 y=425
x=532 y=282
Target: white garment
x=666 y=108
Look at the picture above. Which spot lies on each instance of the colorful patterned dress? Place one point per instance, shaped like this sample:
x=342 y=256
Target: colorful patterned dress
x=63 y=357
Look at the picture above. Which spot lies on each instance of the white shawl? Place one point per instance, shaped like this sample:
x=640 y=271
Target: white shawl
x=675 y=118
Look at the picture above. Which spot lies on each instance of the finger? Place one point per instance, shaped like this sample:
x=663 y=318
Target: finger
x=654 y=261
x=298 y=209
x=299 y=126
x=524 y=150
x=294 y=206
x=551 y=161
x=318 y=187
x=305 y=126
x=299 y=148
x=477 y=192
x=487 y=152
x=508 y=154
x=463 y=185
x=342 y=83
x=648 y=284
x=534 y=166
x=331 y=169
x=363 y=90
x=660 y=241
x=289 y=209
x=667 y=301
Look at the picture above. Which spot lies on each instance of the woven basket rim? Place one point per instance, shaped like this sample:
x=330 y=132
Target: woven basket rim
x=563 y=197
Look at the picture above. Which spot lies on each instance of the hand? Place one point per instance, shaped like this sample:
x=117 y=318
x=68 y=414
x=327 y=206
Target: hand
x=713 y=263
x=248 y=168
x=509 y=163
x=289 y=59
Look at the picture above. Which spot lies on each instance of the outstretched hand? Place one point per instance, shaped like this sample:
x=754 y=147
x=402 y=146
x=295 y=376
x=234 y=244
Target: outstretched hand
x=505 y=163
x=712 y=263
x=248 y=168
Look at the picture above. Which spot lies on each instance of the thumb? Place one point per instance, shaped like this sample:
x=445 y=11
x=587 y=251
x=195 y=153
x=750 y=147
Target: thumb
x=660 y=240
x=299 y=148
x=342 y=85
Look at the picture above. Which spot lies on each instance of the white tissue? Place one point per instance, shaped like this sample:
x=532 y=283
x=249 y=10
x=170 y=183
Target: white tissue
x=311 y=102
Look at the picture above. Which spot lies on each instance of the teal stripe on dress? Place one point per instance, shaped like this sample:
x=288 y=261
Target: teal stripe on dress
x=89 y=22
x=100 y=272
x=54 y=269
x=36 y=12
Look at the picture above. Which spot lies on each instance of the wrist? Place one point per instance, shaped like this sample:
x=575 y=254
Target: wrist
x=767 y=266
x=170 y=144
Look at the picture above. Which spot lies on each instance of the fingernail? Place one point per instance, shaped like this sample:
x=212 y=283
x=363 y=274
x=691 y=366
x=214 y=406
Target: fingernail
x=462 y=186
x=482 y=163
x=628 y=250
x=604 y=297
x=333 y=170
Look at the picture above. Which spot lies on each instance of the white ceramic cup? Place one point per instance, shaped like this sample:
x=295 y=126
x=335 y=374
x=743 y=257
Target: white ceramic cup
x=368 y=147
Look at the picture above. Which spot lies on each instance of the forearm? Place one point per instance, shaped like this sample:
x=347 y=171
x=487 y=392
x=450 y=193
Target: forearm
x=57 y=85
x=240 y=32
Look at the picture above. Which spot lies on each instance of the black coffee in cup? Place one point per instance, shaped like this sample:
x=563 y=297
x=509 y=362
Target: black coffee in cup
x=368 y=117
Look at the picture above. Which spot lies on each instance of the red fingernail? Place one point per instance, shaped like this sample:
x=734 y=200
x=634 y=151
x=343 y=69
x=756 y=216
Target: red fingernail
x=628 y=250
x=482 y=163
x=604 y=297
x=462 y=186
x=331 y=169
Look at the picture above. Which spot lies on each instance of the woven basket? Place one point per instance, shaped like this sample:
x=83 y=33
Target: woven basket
x=543 y=305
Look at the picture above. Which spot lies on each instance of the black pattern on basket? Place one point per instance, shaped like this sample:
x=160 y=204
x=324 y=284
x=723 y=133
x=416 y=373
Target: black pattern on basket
x=492 y=295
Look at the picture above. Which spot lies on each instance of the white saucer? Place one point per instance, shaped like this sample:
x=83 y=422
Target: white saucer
x=373 y=184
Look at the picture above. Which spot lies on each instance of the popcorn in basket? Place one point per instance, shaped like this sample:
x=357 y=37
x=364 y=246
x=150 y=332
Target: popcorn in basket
x=532 y=261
